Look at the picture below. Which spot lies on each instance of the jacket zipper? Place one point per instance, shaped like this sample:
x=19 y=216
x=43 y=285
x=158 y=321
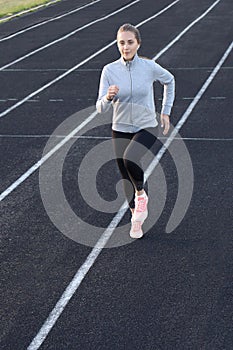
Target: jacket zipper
x=128 y=64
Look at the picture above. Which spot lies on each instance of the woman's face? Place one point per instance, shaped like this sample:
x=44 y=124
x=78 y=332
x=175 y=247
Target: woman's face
x=127 y=45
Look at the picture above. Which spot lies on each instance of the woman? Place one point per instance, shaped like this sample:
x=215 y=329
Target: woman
x=127 y=86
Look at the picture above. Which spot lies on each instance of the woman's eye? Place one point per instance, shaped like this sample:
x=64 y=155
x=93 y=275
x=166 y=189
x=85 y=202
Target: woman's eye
x=122 y=43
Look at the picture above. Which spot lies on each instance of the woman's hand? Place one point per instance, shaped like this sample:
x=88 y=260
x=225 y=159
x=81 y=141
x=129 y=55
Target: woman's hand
x=165 y=122
x=112 y=91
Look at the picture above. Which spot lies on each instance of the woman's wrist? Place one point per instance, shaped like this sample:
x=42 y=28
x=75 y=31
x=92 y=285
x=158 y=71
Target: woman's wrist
x=109 y=98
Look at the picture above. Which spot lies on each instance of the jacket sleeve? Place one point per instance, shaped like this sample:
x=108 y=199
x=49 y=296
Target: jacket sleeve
x=102 y=104
x=168 y=81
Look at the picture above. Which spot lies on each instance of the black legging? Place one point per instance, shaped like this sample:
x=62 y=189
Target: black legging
x=129 y=149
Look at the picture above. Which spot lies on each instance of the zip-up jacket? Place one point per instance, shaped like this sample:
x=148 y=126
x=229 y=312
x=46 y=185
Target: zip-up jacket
x=133 y=106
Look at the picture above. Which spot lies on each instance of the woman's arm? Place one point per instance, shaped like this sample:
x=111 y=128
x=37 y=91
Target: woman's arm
x=106 y=93
x=168 y=81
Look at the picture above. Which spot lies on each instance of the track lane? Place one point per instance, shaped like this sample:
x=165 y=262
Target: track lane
x=34 y=18
x=168 y=264
x=68 y=34
x=58 y=17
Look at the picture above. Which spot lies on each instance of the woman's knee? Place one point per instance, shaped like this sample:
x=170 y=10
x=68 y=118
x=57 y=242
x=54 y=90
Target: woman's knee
x=128 y=164
x=133 y=167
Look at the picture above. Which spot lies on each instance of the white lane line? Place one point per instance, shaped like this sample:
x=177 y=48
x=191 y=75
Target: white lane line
x=56 y=136
x=47 y=21
x=185 y=30
x=157 y=14
x=99 y=69
x=92 y=137
x=67 y=36
x=16 y=99
x=92 y=99
x=76 y=281
x=2 y=114
x=197 y=68
x=189 y=109
x=203 y=139
x=31 y=170
x=212 y=98
x=50 y=70
x=29 y=10
x=89 y=262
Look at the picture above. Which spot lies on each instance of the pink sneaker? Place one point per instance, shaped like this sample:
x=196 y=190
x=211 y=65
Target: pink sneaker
x=140 y=211
x=136 y=229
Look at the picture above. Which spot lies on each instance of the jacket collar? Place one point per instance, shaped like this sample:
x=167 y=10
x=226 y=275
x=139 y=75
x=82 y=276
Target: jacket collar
x=131 y=63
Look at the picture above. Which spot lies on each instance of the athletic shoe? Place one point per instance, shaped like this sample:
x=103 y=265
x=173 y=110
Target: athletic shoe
x=136 y=229
x=140 y=211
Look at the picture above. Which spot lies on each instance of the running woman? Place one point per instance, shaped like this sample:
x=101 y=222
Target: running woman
x=127 y=86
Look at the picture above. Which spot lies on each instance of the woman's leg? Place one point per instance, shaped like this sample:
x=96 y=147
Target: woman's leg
x=136 y=149
x=121 y=141
x=129 y=149
x=138 y=146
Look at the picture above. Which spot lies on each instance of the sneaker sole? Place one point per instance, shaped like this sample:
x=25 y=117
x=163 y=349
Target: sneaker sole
x=134 y=236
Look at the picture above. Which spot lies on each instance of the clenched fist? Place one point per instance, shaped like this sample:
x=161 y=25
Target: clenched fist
x=112 y=91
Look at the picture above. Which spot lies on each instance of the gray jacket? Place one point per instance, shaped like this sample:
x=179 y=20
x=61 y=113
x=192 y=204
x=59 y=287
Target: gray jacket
x=133 y=106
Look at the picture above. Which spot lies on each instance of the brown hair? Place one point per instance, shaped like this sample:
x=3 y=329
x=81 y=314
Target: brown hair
x=127 y=27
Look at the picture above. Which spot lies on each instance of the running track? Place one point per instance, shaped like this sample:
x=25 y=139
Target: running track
x=169 y=290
